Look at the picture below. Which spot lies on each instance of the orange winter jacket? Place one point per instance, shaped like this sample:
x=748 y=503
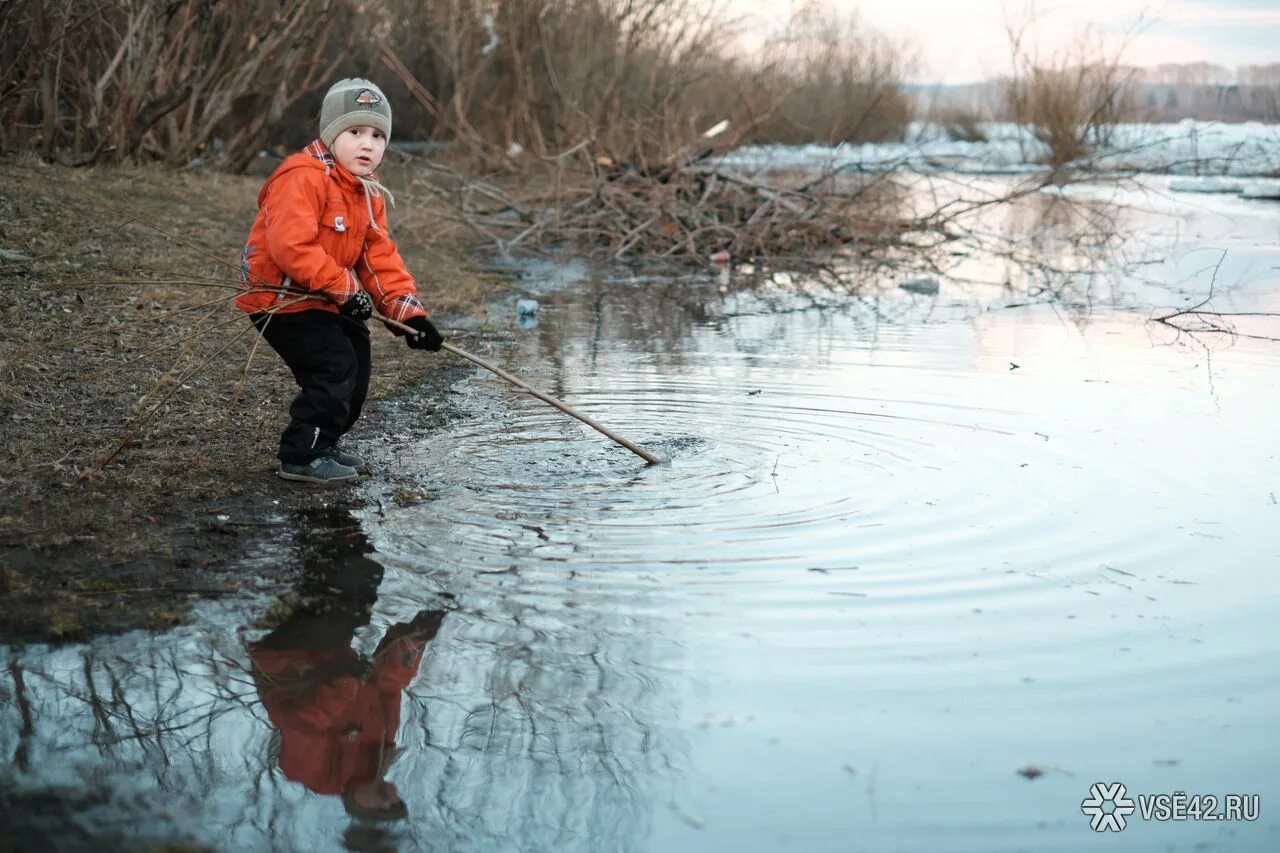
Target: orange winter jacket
x=313 y=233
x=335 y=730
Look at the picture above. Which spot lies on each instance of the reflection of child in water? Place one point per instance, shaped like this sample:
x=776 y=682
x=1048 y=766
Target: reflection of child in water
x=338 y=714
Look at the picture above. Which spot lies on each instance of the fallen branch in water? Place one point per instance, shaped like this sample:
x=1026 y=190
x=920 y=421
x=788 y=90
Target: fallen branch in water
x=1200 y=320
x=1213 y=322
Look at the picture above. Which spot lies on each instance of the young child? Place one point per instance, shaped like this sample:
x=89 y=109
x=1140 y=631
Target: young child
x=320 y=250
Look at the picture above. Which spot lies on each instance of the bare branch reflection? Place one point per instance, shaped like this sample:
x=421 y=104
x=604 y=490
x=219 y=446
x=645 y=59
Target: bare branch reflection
x=367 y=718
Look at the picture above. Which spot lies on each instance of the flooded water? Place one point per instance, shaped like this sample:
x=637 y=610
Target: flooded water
x=922 y=568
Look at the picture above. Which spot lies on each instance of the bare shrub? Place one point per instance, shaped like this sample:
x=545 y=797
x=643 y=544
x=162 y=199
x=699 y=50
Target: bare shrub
x=634 y=79
x=148 y=79
x=961 y=125
x=1072 y=101
x=834 y=81
x=611 y=102
x=545 y=76
x=639 y=79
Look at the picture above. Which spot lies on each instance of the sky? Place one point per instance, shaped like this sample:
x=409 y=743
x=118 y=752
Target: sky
x=961 y=41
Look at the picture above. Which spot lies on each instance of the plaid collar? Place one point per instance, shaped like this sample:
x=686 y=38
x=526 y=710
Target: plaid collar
x=320 y=151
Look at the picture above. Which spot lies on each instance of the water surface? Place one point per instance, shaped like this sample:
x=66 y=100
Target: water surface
x=920 y=570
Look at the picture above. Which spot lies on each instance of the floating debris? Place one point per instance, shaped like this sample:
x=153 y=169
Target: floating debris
x=923 y=286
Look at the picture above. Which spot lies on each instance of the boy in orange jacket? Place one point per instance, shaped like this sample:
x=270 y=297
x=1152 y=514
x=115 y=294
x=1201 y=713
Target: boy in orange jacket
x=317 y=262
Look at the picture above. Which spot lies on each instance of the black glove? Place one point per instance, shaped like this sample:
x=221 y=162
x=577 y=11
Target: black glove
x=425 y=335
x=358 y=307
x=427 y=623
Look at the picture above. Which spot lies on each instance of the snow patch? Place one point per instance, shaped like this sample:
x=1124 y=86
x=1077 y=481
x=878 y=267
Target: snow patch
x=1187 y=148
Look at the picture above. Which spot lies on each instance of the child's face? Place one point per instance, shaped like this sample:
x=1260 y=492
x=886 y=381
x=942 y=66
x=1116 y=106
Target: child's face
x=359 y=149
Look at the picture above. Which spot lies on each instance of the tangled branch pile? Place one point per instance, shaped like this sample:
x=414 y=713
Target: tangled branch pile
x=681 y=212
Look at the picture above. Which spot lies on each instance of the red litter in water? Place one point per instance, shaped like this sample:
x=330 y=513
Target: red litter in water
x=721 y=257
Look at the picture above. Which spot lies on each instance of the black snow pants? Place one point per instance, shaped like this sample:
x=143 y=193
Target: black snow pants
x=329 y=357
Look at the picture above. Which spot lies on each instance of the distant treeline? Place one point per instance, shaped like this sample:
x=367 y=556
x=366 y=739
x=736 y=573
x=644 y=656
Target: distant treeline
x=1167 y=92
x=1208 y=102
x=88 y=81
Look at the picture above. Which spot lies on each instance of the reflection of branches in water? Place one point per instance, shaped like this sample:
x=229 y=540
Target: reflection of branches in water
x=536 y=726
x=1189 y=324
x=1198 y=319
x=528 y=727
x=1032 y=239
x=1046 y=245
x=24 y=713
x=1068 y=251
x=152 y=702
x=118 y=726
x=1039 y=247
x=525 y=726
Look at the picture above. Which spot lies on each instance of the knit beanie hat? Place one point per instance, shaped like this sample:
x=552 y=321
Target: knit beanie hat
x=353 y=102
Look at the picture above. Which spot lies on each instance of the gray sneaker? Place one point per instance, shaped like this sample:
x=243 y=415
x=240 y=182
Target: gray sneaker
x=323 y=470
x=342 y=457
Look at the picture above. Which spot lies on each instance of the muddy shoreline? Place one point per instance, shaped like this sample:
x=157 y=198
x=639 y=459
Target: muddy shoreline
x=72 y=586
x=96 y=331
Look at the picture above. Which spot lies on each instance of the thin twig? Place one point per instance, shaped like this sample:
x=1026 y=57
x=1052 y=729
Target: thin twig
x=98 y=466
x=195 y=332
x=244 y=377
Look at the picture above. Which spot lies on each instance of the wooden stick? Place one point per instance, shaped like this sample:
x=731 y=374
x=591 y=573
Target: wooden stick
x=546 y=398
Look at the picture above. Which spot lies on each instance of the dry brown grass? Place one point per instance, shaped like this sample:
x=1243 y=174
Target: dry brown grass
x=118 y=80
x=548 y=75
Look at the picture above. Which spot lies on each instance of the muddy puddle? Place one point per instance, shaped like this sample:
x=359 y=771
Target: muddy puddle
x=921 y=569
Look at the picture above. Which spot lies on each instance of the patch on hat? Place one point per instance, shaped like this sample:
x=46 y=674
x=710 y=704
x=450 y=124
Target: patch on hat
x=368 y=98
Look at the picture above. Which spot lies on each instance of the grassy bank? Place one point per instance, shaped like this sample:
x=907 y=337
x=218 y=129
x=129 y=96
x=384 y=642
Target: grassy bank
x=84 y=549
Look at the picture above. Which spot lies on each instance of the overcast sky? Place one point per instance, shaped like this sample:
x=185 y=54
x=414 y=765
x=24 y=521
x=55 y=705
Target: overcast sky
x=964 y=40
